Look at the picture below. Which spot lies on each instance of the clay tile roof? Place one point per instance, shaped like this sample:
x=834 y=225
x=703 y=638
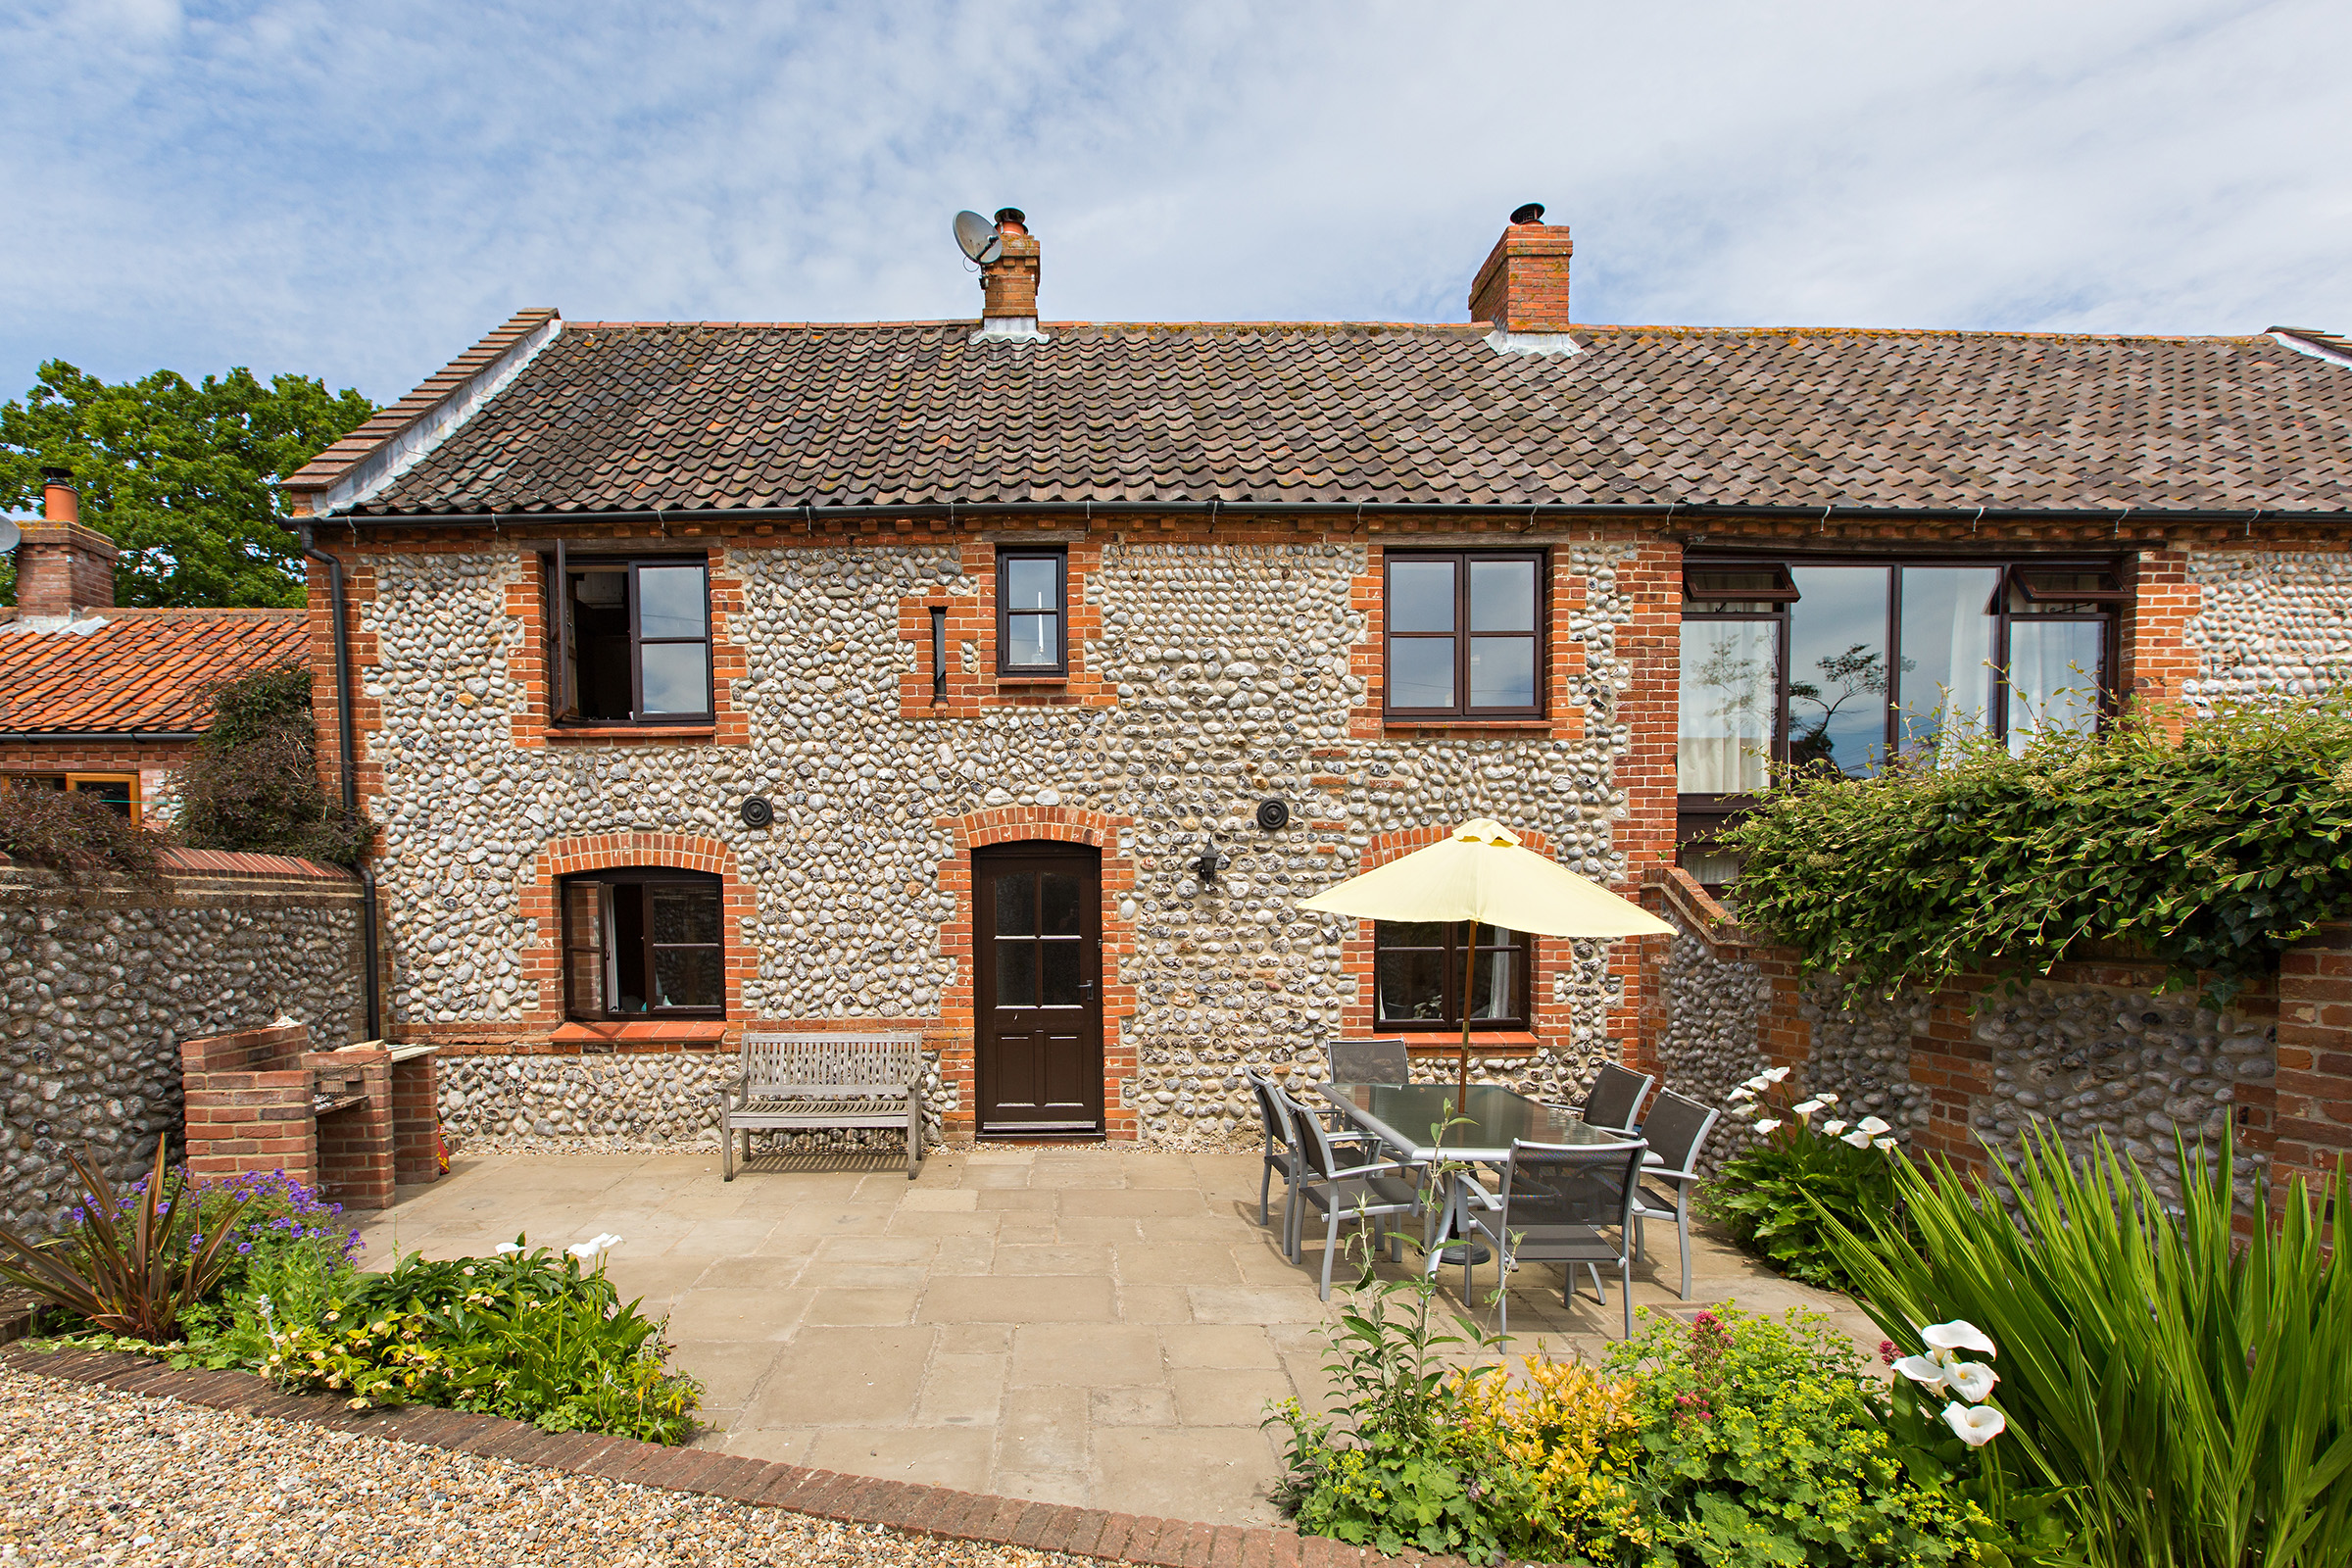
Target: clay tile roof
x=139 y=670
x=627 y=417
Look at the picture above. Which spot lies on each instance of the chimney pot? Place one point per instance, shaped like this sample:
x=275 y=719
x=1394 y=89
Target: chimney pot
x=1523 y=287
x=60 y=501
x=63 y=566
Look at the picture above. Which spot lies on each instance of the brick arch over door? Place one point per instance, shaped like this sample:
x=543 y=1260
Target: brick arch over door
x=1552 y=1022
x=543 y=966
x=1056 y=825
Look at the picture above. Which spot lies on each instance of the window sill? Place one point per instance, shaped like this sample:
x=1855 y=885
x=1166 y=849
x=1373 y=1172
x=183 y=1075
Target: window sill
x=1408 y=722
x=1482 y=1043
x=671 y=733
x=695 y=1034
x=1004 y=679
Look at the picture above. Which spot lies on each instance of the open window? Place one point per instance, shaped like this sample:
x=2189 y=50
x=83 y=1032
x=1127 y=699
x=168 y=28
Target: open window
x=642 y=942
x=1417 y=975
x=628 y=640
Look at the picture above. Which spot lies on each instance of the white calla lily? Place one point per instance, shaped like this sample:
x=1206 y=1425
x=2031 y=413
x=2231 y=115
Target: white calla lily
x=1803 y=1109
x=1775 y=1075
x=1741 y=1093
x=591 y=1252
x=1833 y=1128
x=1826 y=1098
x=1959 y=1335
x=1929 y=1372
x=1975 y=1427
x=1973 y=1381
x=1881 y=1143
x=1768 y=1124
x=1873 y=1126
x=1744 y=1107
x=507 y=1249
x=1757 y=1084
x=1858 y=1138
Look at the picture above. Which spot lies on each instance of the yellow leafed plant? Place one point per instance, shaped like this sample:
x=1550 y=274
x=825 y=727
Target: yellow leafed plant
x=1568 y=1435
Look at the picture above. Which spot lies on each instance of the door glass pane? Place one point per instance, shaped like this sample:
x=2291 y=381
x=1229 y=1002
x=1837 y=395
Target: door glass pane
x=1420 y=672
x=1493 y=992
x=1947 y=626
x=2053 y=677
x=685 y=915
x=1016 y=973
x=1016 y=904
x=1412 y=985
x=1060 y=964
x=1061 y=905
x=1032 y=583
x=1033 y=640
x=688 y=977
x=1502 y=672
x=670 y=601
x=677 y=678
x=1730 y=669
x=1503 y=596
x=1421 y=596
x=1838 y=668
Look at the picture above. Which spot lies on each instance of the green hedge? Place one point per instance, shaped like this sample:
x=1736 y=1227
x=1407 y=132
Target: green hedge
x=2212 y=853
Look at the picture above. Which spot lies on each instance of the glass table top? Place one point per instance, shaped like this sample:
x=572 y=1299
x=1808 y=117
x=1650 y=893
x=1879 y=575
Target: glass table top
x=1405 y=1115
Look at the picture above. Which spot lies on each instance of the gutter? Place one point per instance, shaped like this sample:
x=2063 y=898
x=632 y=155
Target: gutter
x=347 y=747
x=1533 y=512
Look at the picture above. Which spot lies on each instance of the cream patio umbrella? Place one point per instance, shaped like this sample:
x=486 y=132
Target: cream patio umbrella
x=1481 y=874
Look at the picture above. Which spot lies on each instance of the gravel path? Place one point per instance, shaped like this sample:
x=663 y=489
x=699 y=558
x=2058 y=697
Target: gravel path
x=95 y=1476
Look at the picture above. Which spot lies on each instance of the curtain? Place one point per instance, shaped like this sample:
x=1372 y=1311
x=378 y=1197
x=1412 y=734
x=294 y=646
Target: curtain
x=2053 y=677
x=1730 y=679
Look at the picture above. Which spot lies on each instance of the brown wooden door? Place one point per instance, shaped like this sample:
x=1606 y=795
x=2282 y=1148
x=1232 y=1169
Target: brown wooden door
x=1037 y=983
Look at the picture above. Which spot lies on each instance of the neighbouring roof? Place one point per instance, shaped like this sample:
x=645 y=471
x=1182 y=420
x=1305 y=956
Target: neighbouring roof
x=618 y=416
x=135 y=671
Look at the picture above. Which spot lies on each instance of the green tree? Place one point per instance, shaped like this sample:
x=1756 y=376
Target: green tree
x=182 y=477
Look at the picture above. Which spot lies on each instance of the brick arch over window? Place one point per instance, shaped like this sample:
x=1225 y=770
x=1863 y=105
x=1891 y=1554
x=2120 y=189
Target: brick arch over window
x=543 y=966
x=1058 y=824
x=1552 y=1022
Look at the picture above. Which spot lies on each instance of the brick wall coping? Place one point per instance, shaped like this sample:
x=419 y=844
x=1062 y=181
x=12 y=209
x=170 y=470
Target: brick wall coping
x=940 y=1511
x=227 y=862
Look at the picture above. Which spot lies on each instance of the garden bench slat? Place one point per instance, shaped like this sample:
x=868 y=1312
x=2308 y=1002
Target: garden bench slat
x=813 y=1082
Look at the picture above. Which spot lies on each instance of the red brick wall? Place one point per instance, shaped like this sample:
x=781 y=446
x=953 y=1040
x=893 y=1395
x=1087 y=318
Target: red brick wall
x=2313 y=1107
x=972 y=618
x=2154 y=662
x=249 y=1103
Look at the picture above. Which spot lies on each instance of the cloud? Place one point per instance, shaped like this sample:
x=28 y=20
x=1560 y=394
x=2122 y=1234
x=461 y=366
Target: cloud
x=359 y=193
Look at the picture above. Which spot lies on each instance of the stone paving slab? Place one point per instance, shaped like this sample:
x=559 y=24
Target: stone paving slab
x=1089 y=1327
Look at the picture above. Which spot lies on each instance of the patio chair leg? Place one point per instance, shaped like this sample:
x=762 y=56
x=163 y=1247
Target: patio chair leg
x=1265 y=1185
x=1625 y=1289
x=1331 y=1245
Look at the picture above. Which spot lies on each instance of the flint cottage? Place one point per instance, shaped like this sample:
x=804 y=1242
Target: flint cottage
x=1011 y=679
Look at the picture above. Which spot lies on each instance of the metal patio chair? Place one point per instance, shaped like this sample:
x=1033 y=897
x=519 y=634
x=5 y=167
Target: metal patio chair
x=1614 y=1102
x=1565 y=1204
x=1676 y=1131
x=1372 y=1190
x=1281 y=1151
x=1370 y=1062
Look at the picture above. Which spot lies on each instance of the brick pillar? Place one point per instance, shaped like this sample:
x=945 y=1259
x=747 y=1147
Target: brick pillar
x=415 y=1122
x=2157 y=662
x=1954 y=1068
x=2313 y=1119
x=249 y=1105
x=1651 y=646
x=355 y=1144
x=1785 y=1036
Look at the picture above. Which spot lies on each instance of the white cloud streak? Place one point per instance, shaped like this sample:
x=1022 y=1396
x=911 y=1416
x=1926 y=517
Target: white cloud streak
x=359 y=193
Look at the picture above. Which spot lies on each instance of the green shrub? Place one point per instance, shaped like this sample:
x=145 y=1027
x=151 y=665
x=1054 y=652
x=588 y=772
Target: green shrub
x=77 y=836
x=2213 y=853
x=252 y=781
x=2187 y=1388
x=132 y=1263
x=1777 y=1196
x=1762 y=1444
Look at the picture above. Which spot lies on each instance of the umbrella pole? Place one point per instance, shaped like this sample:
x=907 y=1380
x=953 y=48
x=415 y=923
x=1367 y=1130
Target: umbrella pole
x=1461 y=1080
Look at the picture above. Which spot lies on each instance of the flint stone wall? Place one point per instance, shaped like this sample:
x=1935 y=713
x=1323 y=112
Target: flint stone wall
x=97 y=993
x=2268 y=623
x=1231 y=664
x=1709 y=1038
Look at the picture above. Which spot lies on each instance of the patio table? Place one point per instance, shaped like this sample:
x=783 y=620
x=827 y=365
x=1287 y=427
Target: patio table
x=1406 y=1116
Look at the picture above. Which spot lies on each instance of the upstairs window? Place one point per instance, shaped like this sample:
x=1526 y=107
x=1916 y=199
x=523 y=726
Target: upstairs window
x=630 y=641
x=1417 y=975
x=1032 y=611
x=1465 y=636
x=643 y=943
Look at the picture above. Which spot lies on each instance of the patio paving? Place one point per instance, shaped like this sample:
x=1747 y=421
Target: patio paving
x=1089 y=1325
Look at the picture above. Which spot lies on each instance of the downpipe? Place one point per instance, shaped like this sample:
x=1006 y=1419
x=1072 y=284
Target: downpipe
x=347 y=747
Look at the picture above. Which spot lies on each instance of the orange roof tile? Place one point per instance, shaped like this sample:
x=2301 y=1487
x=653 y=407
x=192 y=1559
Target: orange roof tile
x=136 y=670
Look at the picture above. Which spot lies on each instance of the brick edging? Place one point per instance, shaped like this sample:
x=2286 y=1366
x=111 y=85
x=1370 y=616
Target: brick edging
x=922 y=1509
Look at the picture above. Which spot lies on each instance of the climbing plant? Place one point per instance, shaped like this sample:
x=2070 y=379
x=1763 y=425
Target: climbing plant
x=2211 y=852
x=252 y=782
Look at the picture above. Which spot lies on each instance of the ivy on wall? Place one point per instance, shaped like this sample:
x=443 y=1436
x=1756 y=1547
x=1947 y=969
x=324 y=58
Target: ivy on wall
x=2212 y=853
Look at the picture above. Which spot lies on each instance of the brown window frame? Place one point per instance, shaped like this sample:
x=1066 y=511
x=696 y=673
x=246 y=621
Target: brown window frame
x=1701 y=817
x=1522 y=944
x=1060 y=555
x=1462 y=635
x=562 y=699
x=641 y=881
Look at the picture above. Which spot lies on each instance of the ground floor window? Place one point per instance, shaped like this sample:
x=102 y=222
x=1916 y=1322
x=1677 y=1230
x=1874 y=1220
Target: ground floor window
x=642 y=942
x=119 y=791
x=1417 y=974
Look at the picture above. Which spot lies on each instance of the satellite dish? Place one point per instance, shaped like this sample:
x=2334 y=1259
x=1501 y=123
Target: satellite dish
x=10 y=536
x=978 y=237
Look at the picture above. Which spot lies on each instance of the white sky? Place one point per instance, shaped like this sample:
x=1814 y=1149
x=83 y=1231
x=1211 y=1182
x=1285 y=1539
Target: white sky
x=358 y=191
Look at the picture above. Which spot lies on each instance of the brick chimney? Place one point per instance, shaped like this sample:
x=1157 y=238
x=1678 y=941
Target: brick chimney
x=1523 y=289
x=63 y=566
x=1008 y=285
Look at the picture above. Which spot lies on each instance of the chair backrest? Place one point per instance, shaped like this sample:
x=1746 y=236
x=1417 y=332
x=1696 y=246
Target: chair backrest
x=1676 y=1129
x=1312 y=1142
x=1616 y=1097
x=1569 y=1184
x=1370 y=1062
x=1271 y=1112
x=848 y=1061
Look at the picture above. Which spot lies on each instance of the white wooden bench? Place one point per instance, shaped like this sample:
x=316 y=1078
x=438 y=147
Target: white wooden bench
x=820 y=1082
